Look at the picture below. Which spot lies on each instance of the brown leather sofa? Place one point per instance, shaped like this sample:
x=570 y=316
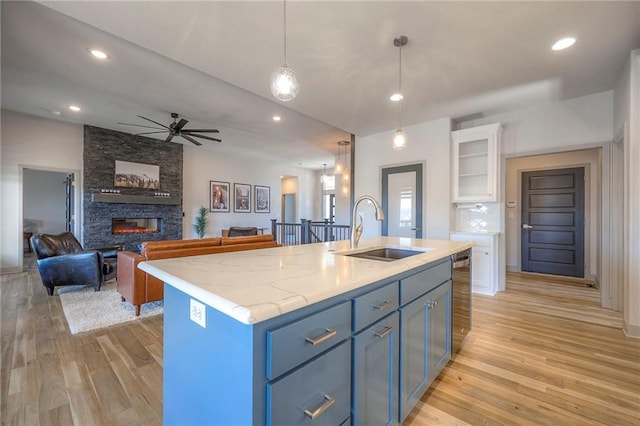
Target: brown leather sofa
x=138 y=287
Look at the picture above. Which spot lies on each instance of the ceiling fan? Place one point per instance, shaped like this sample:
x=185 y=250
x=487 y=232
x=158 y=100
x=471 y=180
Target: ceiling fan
x=177 y=129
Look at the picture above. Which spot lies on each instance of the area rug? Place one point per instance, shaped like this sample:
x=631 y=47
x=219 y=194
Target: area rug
x=87 y=309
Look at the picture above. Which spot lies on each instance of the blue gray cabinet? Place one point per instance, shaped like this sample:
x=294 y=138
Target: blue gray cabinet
x=363 y=357
x=375 y=373
x=425 y=343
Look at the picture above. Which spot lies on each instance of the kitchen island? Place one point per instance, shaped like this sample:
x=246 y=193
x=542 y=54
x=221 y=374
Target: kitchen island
x=295 y=334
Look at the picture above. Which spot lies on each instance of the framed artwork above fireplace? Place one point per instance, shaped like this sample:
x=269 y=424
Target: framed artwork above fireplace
x=137 y=175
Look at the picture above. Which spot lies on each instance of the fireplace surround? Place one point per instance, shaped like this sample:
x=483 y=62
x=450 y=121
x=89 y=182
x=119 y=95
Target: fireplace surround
x=102 y=147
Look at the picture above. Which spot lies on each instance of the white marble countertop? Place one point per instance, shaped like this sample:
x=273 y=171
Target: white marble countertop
x=255 y=285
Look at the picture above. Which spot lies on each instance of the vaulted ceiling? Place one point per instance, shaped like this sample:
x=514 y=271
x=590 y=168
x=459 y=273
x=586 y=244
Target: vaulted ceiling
x=211 y=62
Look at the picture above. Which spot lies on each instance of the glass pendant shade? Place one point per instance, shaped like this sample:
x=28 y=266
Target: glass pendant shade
x=399 y=140
x=338 y=168
x=284 y=85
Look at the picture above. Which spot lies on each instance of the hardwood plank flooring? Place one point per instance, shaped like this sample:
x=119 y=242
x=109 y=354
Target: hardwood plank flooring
x=542 y=352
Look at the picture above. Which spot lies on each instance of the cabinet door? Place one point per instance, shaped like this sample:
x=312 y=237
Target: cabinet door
x=375 y=373
x=414 y=375
x=439 y=346
x=475 y=160
x=425 y=344
x=482 y=277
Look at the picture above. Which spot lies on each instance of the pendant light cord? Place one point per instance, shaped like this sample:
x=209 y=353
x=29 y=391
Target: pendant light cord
x=285 y=31
x=400 y=86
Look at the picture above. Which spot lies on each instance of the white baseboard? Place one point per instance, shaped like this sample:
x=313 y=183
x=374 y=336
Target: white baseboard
x=631 y=330
x=10 y=270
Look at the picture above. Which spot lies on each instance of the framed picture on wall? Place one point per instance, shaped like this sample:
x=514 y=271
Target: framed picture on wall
x=242 y=198
x=218 y=196
x=136 y=175
x=263 y=199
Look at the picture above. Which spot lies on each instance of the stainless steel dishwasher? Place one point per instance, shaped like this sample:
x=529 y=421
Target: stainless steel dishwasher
x=461 y=298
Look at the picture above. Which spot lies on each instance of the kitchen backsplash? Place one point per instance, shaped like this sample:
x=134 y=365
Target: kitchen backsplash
x=478 y=217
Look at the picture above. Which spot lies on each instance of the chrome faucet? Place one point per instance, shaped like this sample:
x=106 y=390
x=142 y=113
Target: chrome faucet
x=356 y=231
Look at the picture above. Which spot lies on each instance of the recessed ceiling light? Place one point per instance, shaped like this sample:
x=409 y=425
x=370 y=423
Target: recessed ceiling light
x=74 y=108
x=276 y=118
x=563 y=43
x=396 y=97
x=55 y=112
x=99 y=54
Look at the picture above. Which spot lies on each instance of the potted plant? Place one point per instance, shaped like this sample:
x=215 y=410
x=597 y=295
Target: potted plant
x=201 y=222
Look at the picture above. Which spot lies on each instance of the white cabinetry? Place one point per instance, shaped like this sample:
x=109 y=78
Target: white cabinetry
x=476 y=153
x=484 y=260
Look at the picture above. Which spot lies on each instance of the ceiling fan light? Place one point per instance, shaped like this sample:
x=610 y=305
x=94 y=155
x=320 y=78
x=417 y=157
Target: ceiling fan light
x=399 y=140
x=284 y=85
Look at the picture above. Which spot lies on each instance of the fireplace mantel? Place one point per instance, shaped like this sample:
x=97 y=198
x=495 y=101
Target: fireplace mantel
x=99 y=197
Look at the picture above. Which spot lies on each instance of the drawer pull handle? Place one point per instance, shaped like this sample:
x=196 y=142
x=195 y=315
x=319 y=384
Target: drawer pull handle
x=382 y=306
x=381 y=334
x=326 y=336
x=328 y=402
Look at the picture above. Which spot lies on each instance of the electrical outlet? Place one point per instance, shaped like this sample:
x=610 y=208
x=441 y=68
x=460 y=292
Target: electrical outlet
x=510 y=215
x=198 y=313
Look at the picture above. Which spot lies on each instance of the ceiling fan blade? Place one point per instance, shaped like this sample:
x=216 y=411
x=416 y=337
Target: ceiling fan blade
x=190 y=139
x=180 y=124
x=202 y=130
x=200 y=136
x=150 y=133
x=168 y=139
x=155 y=122
x=140 y=125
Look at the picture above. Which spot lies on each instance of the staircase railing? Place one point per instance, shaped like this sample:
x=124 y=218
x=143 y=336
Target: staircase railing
x=307 y=232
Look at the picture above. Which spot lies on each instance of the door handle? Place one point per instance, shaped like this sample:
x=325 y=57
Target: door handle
x=526 y=226
x=415 y=229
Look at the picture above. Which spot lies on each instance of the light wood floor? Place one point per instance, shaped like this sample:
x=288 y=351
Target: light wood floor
x=539 y=353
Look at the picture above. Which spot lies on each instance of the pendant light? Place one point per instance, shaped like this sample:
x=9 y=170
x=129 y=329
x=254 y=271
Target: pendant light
x=399 y=137
x=284 y=85
x=341 y=167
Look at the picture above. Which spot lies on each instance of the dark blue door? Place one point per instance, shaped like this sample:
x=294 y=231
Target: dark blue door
x=553 y=222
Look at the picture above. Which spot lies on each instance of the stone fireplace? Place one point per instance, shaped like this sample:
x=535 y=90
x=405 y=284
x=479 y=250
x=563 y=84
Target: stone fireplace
x=129 y=216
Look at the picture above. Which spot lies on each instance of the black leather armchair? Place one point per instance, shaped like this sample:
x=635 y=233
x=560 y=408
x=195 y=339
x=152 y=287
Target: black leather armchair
x=62 y=261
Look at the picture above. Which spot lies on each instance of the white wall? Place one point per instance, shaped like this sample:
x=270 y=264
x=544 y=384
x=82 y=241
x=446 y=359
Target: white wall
x=627 y=113
x=578 y=122
x=201 y=166
x=36 y=143
x=44 y=197
x=429 y=142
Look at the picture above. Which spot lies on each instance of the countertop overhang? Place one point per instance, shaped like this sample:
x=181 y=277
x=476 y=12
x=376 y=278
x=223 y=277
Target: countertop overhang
x=256 y=285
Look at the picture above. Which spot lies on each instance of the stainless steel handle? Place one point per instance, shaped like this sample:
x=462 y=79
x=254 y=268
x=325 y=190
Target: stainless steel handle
x=381 y=334
x=326 y=336
x=526 y=226
x=430 y=303
x=328 y=402
x=415 y=229
x=382 y=306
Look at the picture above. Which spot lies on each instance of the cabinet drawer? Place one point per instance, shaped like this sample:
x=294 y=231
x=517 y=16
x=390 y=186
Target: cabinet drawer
x=320 y=389
x=294 y=343
x=418 y=284
x=372 y=306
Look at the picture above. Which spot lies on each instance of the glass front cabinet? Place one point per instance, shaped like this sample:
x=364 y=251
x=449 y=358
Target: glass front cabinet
x=476 y=153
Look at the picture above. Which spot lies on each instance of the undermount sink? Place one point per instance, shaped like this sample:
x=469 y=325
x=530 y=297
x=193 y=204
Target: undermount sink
x=386 y=254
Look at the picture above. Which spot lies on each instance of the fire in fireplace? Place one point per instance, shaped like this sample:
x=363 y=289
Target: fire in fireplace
x=135 y=225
